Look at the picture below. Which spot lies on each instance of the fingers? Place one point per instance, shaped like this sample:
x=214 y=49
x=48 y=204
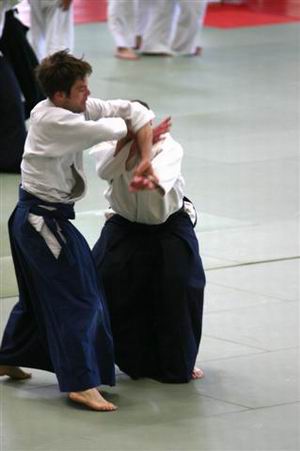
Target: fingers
x=143 y=177
x=165 y=123
x=162 y=128
x=139 y=183
x=147 y=173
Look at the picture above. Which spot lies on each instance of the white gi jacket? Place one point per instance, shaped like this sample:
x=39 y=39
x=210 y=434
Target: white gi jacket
x=147 y=207
x=52 y=167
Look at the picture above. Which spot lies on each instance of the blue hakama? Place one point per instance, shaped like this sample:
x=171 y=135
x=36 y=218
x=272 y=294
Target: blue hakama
x=61 y=322
x=154 y=284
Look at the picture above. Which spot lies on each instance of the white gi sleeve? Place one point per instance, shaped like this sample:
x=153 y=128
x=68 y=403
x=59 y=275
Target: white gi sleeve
x=62 y=132
x=167 y=164
x=133 y=111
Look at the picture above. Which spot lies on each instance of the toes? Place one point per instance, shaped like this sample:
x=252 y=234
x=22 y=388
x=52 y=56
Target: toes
x=197 y=374
x=100 y=406
x=112 y=407
x=15 y=373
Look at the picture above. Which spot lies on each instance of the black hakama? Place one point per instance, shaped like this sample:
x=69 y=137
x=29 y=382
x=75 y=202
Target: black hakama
x=12 y=120
x=61 y=322
x=154 y=284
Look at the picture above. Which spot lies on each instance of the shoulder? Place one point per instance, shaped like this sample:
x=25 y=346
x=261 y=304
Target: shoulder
x=46 y=112
x=171 y=145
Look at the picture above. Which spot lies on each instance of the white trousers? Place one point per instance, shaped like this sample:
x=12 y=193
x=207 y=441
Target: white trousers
x=189 y=23
x=171 y=25
x=121 y=22
x=158 y=25
x=52 y=29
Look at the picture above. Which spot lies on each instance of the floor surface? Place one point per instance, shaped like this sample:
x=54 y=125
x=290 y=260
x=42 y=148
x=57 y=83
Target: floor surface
x=236 y=112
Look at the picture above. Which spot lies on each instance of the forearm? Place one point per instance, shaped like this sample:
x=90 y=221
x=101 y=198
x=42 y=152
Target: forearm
x=144 y=176
x=144 y=138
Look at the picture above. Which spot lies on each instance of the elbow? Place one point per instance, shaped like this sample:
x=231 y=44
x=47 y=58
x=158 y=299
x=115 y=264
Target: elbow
x=143 y=129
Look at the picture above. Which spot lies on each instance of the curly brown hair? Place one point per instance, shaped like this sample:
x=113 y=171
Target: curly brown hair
x=59 y=72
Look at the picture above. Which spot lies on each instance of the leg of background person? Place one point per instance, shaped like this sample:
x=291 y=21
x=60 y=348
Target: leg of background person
x=37 y=28
x=59 y=29
x=142 y=13
x=158 y=31
x=121 y=23
x=190 y=22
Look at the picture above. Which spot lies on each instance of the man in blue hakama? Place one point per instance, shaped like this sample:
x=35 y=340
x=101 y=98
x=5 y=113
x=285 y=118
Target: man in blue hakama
x=61 y=323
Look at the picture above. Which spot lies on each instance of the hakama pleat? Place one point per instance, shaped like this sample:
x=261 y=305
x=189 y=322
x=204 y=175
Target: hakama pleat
x=61 y=322
x=154 y=284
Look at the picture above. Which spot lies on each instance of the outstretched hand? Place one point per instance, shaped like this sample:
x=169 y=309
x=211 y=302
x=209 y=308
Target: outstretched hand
x=162 y=128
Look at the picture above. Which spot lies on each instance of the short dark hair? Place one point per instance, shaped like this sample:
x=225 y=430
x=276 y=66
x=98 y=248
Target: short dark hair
x=142 y=103
x=59 y=72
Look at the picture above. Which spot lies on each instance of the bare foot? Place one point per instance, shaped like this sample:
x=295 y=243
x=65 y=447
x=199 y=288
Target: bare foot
x=198 y=51
x=14 y=372
x=92 y=399
x=126 y=54
x=197 y=373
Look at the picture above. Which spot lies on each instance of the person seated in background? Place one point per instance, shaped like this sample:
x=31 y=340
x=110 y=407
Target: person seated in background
x=148 y=262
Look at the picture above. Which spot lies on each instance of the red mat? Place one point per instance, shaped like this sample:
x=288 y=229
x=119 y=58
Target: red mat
x=86 y=11
x=234 y=16
x=219 y=16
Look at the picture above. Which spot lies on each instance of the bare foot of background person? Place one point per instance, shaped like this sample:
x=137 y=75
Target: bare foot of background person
x=197 y=52
x=126 y=54
x=92 y=399
x=14 y=372
x=197 y=373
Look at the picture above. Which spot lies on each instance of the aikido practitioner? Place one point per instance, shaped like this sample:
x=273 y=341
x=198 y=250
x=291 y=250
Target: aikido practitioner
x=52 y=26
x=60 y=323
x=148 y=260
